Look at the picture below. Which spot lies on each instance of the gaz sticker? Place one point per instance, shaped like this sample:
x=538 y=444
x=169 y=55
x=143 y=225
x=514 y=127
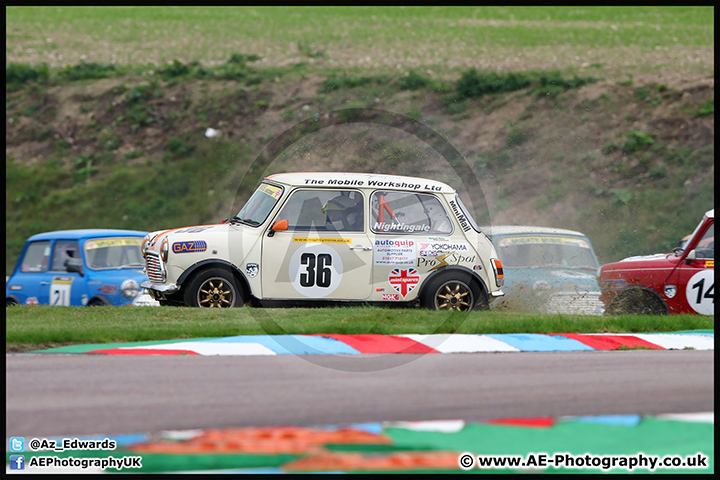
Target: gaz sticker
x=700 y=292
x=60 y=291
x=315 y=270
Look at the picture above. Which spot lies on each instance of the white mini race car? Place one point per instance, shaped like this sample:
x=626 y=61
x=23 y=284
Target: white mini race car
x=327 y=238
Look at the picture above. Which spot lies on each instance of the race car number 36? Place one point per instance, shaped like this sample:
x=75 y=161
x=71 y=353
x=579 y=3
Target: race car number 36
x=315 y=270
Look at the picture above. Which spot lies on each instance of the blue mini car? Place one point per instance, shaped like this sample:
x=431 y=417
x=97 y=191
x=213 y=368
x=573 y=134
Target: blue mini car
x=547 y=270
x=80 y=267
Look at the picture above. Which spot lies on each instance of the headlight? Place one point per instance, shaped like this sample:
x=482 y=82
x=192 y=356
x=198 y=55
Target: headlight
x=164 y=249
x=130 y=288
x=143 y=245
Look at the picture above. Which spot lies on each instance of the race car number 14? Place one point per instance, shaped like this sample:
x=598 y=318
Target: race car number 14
x=700 y=292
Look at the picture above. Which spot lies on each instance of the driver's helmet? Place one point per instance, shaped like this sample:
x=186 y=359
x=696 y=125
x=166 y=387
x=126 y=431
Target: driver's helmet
x=343 y=213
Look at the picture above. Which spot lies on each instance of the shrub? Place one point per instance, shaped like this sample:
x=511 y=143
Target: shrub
x=636 y=140
x=413 y=81
x=87 y=70
x=19 y=73
x=337 y=83
x=707 y=108
x=475 y=84
x=175 y=69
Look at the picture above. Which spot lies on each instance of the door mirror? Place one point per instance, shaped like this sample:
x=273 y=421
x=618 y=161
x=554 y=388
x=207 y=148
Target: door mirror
x=74 y=265
x=280 y=225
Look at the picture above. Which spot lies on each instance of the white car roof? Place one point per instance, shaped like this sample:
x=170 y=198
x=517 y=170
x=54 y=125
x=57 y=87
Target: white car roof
x=364 y=180
x=710 y=213
x=523 y=229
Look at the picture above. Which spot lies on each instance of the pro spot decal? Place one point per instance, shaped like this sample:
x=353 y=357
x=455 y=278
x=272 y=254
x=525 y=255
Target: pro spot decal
x=189 y=246
x=403 y=280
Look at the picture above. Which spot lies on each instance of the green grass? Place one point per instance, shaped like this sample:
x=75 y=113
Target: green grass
x=36 y=327
x=140 y=35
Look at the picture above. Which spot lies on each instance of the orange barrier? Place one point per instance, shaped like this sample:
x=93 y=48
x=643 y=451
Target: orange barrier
x=396 y=461
x=269 y=440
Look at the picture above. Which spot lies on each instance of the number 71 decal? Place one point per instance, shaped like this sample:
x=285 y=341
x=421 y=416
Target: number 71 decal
x=60 y=291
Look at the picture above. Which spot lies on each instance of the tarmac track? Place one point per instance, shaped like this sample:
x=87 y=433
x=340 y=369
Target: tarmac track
x=82 y=394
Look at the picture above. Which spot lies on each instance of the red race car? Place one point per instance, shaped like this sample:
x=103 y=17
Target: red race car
x=678 y=282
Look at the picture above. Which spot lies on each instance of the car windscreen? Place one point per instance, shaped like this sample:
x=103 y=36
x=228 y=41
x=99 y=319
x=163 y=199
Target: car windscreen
x=260 y=204
x=546 y=252
x=113 y=252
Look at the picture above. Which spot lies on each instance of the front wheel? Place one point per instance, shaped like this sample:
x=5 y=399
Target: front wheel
x=451 y=293
x=213 y=288
x=636 y=301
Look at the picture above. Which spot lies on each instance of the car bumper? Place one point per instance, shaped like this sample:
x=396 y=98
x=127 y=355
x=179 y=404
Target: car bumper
x=166 y=288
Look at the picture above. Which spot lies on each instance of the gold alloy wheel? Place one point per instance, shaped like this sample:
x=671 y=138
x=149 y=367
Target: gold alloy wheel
x=454 y=295
x=216 y=293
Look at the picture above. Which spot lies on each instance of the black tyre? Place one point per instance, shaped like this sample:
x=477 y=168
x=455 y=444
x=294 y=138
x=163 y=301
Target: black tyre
x=213 y=288
x=10 y=302
x=98 y=302
x=636 y=301
x=454 y=291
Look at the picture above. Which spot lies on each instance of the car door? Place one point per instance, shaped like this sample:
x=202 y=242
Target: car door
x=412 y=236
x=31 y=283
x=66 y=288
x=324 y=254
x=694 y=279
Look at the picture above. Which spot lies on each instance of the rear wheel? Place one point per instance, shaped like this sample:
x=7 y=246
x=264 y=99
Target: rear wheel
x=213 y=288
x=452 y=292
x=636 y=301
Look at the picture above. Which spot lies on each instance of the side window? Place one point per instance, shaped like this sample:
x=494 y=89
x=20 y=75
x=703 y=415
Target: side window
x=405 y=212
x=37 y=257
x=706 y=246
x=324 y=210
x=63 y=250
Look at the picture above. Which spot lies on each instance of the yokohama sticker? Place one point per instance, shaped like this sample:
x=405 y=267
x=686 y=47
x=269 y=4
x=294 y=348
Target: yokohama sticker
x=404 y=280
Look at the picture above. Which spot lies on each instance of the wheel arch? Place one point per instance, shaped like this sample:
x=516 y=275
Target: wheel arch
x=214 y=263
x=98 y=300
x=449 y=270
x=643 y=288
x=12 y=298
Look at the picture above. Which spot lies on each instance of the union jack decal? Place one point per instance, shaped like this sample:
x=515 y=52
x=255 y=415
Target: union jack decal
x=404 y=280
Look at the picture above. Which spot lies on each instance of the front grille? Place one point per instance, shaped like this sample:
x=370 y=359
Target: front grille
x=575 y=303
x=155 y=271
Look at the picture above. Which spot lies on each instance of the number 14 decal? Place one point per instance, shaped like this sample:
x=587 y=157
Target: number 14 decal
x=709 y=293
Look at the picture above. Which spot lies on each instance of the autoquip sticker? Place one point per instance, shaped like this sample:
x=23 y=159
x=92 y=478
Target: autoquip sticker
x=388 y=251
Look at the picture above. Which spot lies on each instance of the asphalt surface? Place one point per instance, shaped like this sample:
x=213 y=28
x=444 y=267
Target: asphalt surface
x=66 y=394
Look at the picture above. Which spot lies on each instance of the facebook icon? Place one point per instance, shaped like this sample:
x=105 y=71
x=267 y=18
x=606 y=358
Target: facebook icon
x=17 y=462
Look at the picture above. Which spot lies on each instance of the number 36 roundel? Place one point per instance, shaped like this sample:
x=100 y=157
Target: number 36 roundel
x=315 y=270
